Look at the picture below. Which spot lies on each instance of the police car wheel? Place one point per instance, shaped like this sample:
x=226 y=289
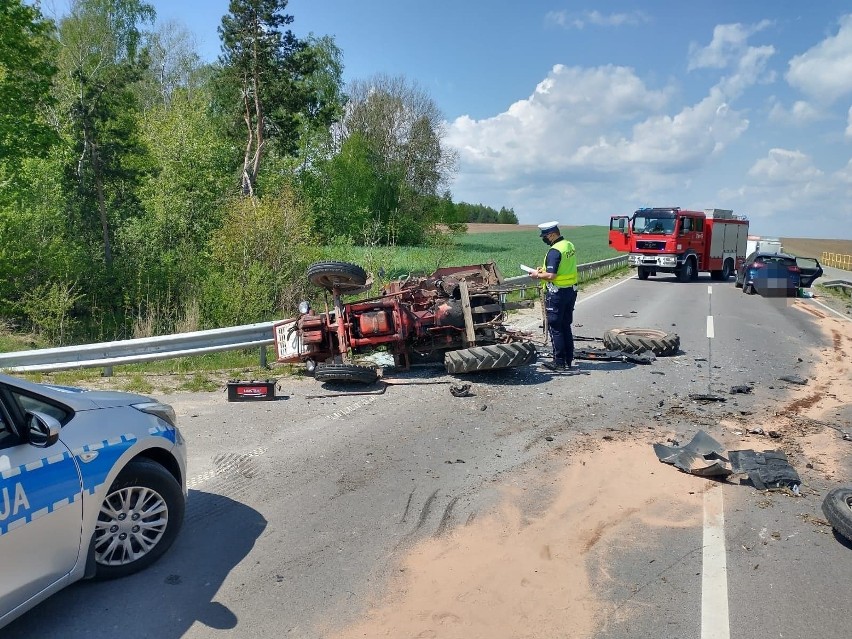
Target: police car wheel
x=138 y=520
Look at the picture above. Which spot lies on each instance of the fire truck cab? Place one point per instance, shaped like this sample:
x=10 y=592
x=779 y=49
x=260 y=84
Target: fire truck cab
x=671 y=240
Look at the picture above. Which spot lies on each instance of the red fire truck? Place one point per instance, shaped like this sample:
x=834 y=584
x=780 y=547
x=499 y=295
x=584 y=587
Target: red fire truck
x=671 y=240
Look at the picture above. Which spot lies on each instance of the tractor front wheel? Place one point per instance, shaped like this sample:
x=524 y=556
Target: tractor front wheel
x=341 y=275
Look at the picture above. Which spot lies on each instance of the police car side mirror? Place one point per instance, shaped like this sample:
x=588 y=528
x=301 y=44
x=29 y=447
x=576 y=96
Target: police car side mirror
x=42 y=430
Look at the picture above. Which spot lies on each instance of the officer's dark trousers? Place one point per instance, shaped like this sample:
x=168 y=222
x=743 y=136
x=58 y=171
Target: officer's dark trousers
x=559 y=307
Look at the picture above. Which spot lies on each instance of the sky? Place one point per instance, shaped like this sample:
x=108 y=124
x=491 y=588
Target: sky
x=579 y=110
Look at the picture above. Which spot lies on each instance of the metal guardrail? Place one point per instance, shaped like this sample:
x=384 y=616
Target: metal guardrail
x=148 y=349
x=145 y=349
x=836 y=260
x=585 y=272
x=845 y=285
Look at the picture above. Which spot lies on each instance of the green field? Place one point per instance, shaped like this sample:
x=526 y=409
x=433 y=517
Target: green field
x=507 y=249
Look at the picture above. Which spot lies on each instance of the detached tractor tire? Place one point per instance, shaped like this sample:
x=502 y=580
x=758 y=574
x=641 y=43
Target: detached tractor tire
x=640 y=340
x=346 y=373
x=342 y=275
x=489 y=358
x=837 y=507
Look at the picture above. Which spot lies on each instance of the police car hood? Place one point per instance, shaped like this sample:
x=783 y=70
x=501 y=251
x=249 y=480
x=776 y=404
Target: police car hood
x=83 y=399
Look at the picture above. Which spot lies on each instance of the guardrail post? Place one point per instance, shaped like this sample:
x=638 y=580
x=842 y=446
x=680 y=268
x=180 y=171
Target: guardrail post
x=107 y=372
x=263 y=357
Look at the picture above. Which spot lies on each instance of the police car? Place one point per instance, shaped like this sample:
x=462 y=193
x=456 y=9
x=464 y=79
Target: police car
x=92 y=484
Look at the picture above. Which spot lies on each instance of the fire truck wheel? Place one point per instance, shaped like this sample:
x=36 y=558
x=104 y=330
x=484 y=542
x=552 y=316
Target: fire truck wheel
x=837 y=507
x=345 y=373
x=488 y=358
x=343 y=275
x=727 y=270
x=687 y=272
x=644 y=272
x=639 y=340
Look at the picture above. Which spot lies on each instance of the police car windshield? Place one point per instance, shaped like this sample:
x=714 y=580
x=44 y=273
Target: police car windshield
x=655 y=224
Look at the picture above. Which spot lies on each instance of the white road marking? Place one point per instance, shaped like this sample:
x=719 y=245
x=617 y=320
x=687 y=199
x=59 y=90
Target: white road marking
x=828 y=308
x=709 y=290
x=710 y=331
x=715 y=621
x=585 y=298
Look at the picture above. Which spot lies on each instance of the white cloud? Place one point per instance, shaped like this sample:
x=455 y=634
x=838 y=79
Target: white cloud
x=579 y=20
x=824 y=72
x=727 y=46
x=800 y=113
x=570 y=109
x=849 y=124
x=782 y=166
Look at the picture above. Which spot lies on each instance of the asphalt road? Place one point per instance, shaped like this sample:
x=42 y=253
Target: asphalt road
x=300 y=508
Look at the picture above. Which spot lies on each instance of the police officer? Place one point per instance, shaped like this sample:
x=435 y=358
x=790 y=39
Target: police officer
x=558 y=278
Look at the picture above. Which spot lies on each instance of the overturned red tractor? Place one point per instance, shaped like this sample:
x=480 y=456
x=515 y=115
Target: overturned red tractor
x=455 y=314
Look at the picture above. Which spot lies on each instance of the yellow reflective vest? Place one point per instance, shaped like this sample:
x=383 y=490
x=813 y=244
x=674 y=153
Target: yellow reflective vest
x=566 y=274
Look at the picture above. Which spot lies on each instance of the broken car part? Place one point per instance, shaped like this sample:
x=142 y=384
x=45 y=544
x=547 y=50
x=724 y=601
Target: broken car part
x=702 y=456
x=767 y=470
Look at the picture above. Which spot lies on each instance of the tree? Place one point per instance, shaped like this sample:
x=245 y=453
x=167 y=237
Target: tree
x=26 y=73
x=264 y=67
x=404 y=127
x=101 y=61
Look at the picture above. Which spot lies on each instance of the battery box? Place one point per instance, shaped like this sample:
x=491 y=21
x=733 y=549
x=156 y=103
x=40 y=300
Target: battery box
x=251 y=390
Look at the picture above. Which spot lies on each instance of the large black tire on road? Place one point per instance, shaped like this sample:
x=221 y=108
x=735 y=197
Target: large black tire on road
x=639 y=340
x=345 y=373
x=343 y=275
x=837 y=507
x=643 y=272
x=488 y=358
x=139 y=519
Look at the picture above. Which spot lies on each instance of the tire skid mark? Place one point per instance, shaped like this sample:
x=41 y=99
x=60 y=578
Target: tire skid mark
x=444 y=524
x=224 y=465
x=427 y=507
x=407 y=506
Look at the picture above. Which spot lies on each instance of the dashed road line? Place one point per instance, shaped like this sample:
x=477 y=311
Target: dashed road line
x=715 y=619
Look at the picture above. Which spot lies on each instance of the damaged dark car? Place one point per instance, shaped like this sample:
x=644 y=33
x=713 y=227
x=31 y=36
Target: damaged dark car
x=777 y=274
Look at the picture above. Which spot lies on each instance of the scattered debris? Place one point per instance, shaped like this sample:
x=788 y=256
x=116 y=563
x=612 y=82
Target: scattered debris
x=743 y=389
x=458 y=461
x=702 y=456
x=794 y=379
x=766 y=470
x=461 y=390
x=657 y=373
x=705 y=457
x=599 y=354
x=706 y=397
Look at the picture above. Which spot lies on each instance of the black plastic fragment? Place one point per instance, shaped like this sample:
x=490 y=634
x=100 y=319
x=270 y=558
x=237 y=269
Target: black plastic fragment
x=706 y=397
x=767 y=470
x=744 y=389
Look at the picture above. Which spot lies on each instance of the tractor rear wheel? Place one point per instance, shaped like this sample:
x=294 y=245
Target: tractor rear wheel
x=342 y=275
x=639 y=340
x=345 y=373
x=488 y=358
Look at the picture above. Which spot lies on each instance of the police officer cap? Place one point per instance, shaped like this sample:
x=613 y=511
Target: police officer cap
x=548 y=227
